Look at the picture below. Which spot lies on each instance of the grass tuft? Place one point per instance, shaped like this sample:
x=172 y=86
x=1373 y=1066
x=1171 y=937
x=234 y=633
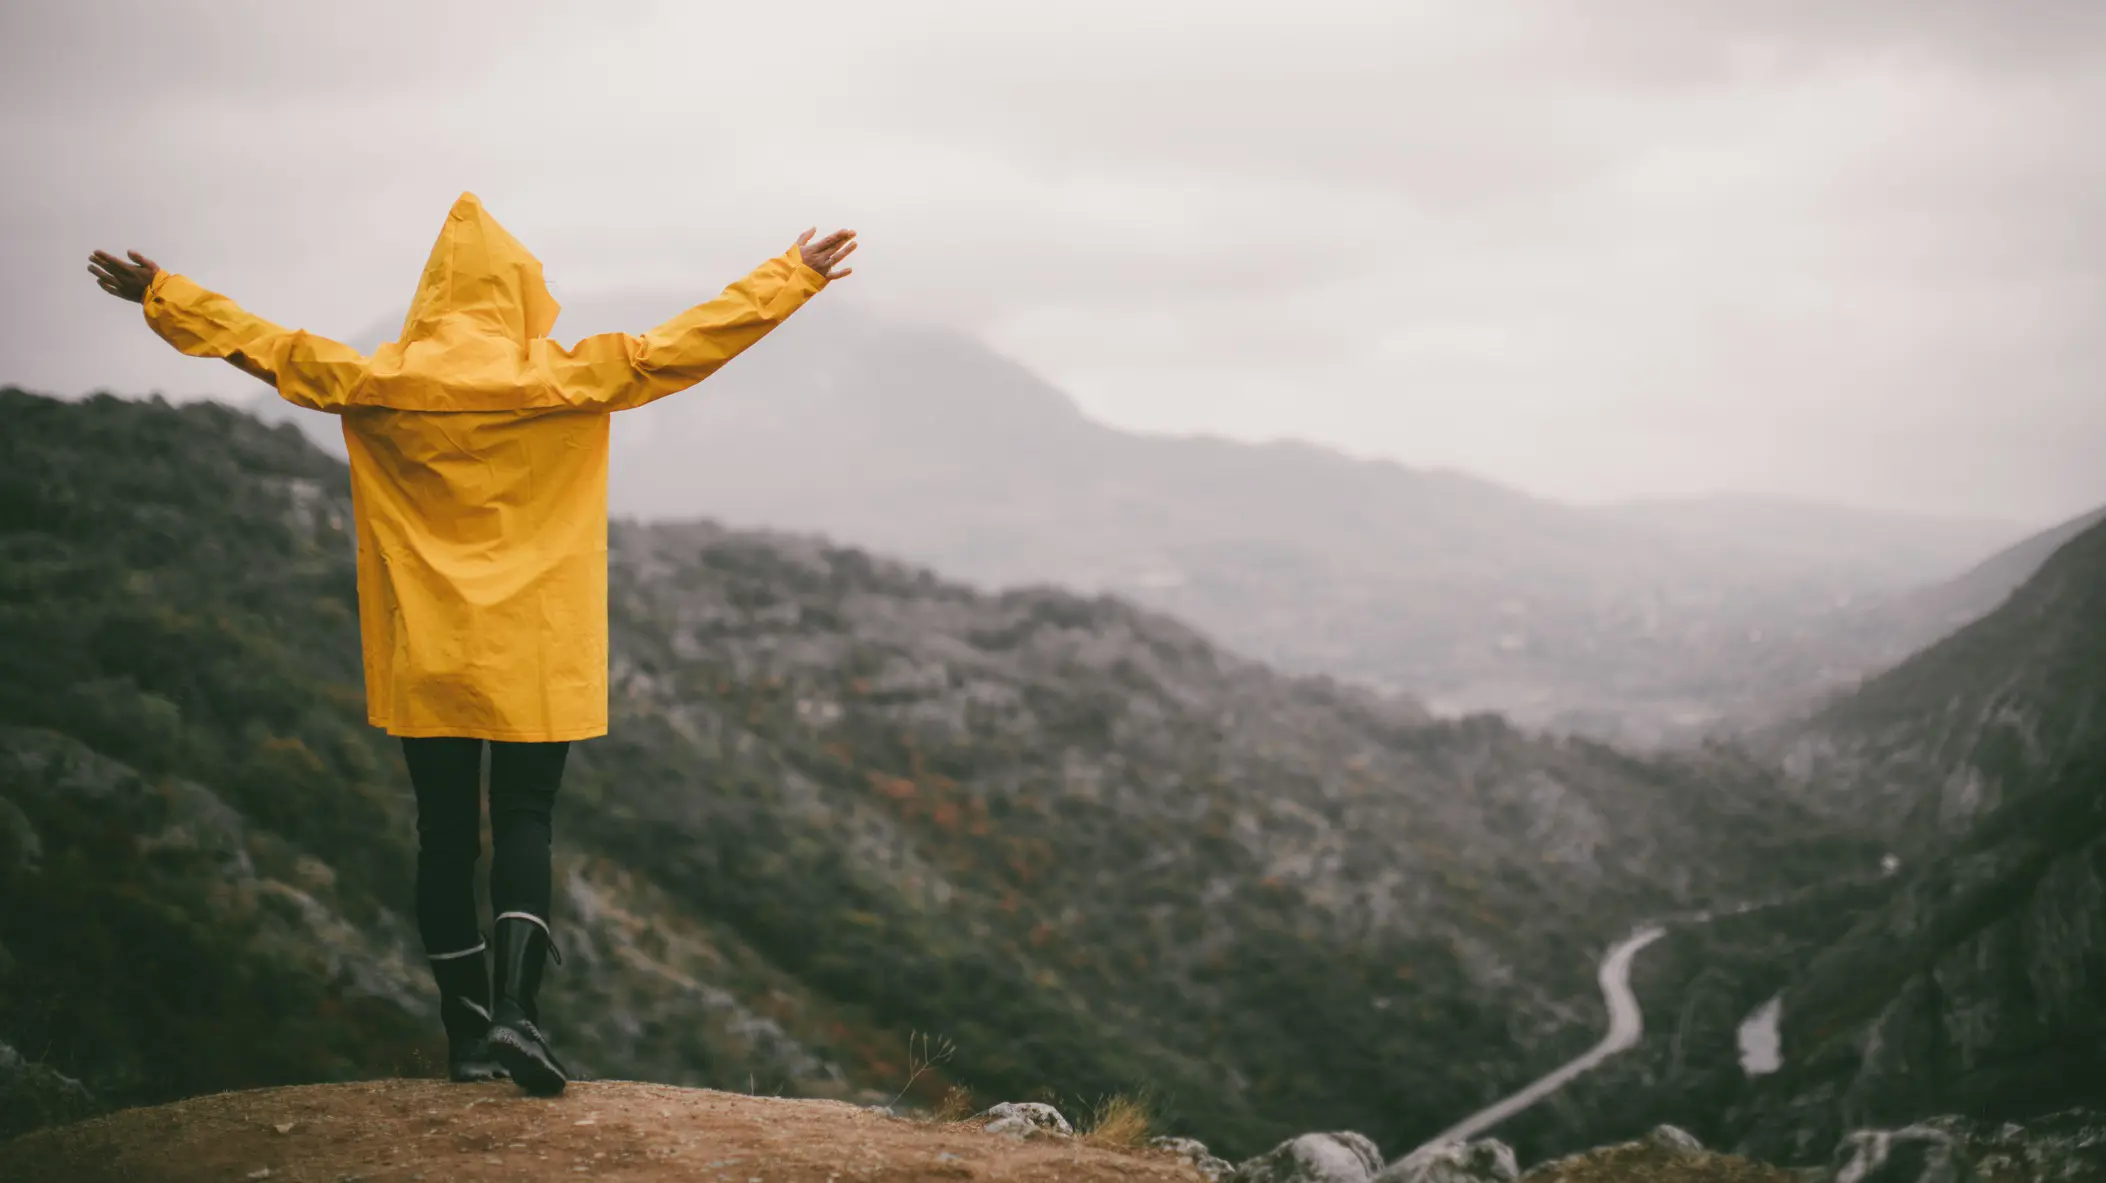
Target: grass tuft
x=923 y=1053
x=1122 y=1122
x=957 y=1104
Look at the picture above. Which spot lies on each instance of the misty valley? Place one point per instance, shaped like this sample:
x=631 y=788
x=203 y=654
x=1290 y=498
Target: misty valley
x=1286 y=791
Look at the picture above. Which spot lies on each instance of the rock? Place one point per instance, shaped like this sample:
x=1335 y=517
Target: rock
x=2058 y=1148
x=1487 y=1160
x=1023 y=1119
x=1649 y=1161
x=32 y=1095
x=1668 y=1137
x=1194 y=1151
x=1916 y=1154
x=20 y=847
x=1341 y=1157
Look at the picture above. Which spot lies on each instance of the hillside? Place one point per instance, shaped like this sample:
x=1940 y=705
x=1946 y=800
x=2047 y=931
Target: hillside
x=1945 y=607
x=1941 y=740
x=1964 y=981
x=844 y=802
x=1977 y=988
x=1641 y=622
x=1885 y=631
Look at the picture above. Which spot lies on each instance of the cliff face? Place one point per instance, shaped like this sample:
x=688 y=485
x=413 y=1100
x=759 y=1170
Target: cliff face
x=1980 y=987
x=848 y=812
x=1928 y=749
x=1964 y=976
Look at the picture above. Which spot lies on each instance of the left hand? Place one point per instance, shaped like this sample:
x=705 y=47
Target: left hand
x=126 y=281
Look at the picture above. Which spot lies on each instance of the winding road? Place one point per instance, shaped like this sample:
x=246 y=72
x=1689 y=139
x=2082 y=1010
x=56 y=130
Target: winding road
x=1760 y=1053
x=1626 y=1025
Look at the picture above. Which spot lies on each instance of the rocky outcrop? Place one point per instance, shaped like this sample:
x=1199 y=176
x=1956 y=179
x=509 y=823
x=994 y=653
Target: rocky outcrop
x=1486 y=1160
x=1022 y=1119
x=21 y=848
x=1666 y=1155
x=33 y=1095
x=1341 y=1157
x=1981 y=988
x=1674 y=1139
x=1194 y=1151
x=2066 y=1147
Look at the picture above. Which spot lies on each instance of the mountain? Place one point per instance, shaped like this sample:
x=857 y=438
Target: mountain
x=1965 y=977
x=1640 y=622
x=1905 y=623
x=847 y=809
x=1934 y=745
x=1961 y=600
x=1979 y=986
x=1826 y=659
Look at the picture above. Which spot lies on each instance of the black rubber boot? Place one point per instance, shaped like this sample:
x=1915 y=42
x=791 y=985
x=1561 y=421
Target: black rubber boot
x=515 y=1040
x=464 y=1010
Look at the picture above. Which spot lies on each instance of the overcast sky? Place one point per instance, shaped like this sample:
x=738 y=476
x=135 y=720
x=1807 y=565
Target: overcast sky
x=1851 y=251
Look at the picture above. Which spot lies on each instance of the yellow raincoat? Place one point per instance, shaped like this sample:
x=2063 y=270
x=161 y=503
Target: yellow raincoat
x=479 y=470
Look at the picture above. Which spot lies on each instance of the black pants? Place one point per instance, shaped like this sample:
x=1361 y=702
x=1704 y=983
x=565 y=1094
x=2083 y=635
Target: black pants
x=446 y=772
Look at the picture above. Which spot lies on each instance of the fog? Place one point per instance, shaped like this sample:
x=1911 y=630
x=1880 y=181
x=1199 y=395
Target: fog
x=1656 y=250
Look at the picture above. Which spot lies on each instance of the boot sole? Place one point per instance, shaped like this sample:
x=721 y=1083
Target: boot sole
x=530 y=1067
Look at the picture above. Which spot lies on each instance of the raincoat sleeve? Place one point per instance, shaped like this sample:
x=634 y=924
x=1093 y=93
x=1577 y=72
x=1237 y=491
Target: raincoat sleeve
x=307 y=370
x=618 y=371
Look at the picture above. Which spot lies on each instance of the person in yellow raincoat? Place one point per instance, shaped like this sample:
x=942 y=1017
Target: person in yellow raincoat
x=478 y=451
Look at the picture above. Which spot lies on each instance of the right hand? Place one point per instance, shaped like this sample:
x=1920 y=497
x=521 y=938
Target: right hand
x=821 y=256
x=126 y=281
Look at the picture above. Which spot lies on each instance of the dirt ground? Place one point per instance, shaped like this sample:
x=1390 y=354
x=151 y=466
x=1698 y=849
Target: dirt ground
x=399 y=1131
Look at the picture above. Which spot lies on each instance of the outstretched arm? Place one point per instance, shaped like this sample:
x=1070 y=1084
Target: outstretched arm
x=618 y=371
x=306 y=370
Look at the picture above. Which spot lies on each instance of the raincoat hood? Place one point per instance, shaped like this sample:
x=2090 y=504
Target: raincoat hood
x=480 y=280
x=479 y=315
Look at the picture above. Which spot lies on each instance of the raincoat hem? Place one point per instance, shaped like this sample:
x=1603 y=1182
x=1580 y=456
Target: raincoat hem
x=501 y=734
